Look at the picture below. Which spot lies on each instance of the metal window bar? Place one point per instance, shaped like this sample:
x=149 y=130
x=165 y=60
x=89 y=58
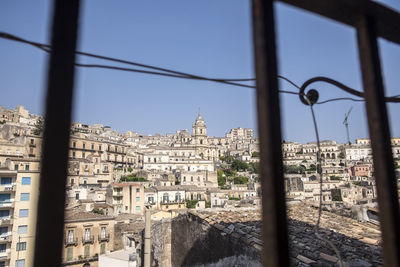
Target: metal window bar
x=371 y=21
x=50 y=218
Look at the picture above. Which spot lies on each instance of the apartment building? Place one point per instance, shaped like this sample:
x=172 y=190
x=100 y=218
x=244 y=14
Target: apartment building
x=19 y=183
x=128 y=198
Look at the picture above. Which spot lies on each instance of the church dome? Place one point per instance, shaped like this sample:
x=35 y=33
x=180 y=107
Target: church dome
x=199 y=121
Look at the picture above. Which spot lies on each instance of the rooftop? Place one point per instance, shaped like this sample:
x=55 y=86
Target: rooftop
x=358 y=242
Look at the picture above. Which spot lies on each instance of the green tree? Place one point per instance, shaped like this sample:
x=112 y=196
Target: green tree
x=240 y=180
x=336 y=195
x=255 y=154
x=341 y=155
x=191 y=204
x=239 y=165
x=98 y=211
x=294 y=169
x=221 y=178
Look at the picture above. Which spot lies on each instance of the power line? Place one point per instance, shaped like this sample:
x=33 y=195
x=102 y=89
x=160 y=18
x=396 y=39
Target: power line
x=182 y=75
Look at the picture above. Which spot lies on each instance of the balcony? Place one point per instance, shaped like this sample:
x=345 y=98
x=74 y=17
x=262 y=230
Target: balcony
x=88 y=239
x=32 y=145
x=104 y=238
x=5 y=255
x=117 y=193
x=7 y=187
x=170 y=202
x=6 y=237
x=5 y=221
x=71 y=241
x=7 y=204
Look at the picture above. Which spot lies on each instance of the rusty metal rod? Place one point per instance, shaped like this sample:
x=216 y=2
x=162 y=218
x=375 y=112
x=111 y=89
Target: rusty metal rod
x=275 y=236
x=60 y=84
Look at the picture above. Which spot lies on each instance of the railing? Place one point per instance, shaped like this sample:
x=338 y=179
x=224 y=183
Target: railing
x=104 y=238
x=5 y=254
x=5 y=220
x=181 y=201
x=370 y=19
x=7 y=187
x=7 y=204
x=5 y=237
x=71 y=241
x=88 y=239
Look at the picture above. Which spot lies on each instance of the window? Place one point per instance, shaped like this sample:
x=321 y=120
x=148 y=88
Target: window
x=5 y=197
x=99 y=147
x=2 y=264
x=3 y=230
x=87 y=251
x=23 y=213
x=137 y=207
x=150 y=199
x=137 y=190
x=21 y=246
x=20 y=263
x=87 y=233
x=103 y=232
x=24 y=197
x=70 y=236
x=4 y=213
x=76 y=196
x=83 y=154
x=70 y=253
x=16 y=169
x=6 y=180
x=83 y=145
x=74 y=144
x=102 y=248
x=26 y=167
x=3 y=247
x=26 y=180
x=92 y=146
x=137 y=199
x=22 y=229
x=165 y=198
x=73 y=154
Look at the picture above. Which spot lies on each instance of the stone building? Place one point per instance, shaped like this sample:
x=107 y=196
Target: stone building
x=128 y=197
x=86 y=236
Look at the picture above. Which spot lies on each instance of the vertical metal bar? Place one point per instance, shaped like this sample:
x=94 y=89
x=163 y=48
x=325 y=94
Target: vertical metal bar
x=275 y=237
x=380 y=140
x=50 y=221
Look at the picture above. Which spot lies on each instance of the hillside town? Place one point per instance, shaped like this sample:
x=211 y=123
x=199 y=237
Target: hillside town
x=115 y=178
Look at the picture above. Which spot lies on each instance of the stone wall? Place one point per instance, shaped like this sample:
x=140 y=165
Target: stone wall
x=187 y=240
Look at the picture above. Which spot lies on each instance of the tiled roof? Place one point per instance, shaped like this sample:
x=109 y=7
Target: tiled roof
x=74 y=215
x=358 y=242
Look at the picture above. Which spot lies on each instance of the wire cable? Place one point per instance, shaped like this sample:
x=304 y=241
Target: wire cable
x=319 y=170
x=182 y=75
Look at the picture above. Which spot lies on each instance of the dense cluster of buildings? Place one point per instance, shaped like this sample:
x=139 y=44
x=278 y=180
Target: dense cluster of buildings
x=114 y=177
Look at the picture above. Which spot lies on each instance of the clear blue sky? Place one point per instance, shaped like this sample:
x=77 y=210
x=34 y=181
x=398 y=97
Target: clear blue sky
x=211 y=38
